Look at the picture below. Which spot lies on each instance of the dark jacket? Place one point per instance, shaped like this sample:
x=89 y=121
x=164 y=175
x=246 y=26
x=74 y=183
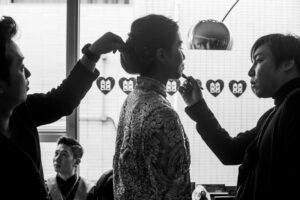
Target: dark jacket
x=20 y=178
x=268 y=153
x=41 y=109
x=104 y=186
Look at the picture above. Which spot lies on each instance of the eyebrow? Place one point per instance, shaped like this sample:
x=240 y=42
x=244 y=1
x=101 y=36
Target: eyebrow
x=63 y=151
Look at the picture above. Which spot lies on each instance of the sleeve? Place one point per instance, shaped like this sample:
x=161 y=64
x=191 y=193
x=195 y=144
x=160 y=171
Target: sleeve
x=167 y=155
x=61 y=101
x=229 y=150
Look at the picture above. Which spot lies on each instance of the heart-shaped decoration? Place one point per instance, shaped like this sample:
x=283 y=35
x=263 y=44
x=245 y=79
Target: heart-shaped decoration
x=127 y=84
x=237 y=88
x=105 y=85
x=215 y=87
x=172 y=86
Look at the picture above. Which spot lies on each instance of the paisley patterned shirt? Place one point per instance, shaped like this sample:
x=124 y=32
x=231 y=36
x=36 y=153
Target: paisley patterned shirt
x=152 y=156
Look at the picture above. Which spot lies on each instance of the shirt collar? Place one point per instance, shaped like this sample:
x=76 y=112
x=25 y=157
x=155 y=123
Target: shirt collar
x=151 y=84
x=70 y=181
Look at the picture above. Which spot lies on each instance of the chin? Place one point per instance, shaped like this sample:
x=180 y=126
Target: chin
x=261 y=95
x=177 y=76
x=257 y=93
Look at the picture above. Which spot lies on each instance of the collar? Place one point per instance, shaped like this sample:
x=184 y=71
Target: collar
x=69 y=182
x=151 y=84
x=285 y=90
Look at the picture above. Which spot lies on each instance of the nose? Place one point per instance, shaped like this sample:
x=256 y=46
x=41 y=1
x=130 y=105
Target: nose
x=251 y=71
x=27 y=73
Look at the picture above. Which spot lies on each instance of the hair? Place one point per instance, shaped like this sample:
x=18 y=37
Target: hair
x=8 y=29
x=283 y=47
x=76 y=148
x=147 y=34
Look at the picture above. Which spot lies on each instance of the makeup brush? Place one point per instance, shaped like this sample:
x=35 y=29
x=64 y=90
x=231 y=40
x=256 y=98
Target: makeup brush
x=184 y=76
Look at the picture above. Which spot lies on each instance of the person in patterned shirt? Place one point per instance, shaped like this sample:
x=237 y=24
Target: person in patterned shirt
x=152 y=155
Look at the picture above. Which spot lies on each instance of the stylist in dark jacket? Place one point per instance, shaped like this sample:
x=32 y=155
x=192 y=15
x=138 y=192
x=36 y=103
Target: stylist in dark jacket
x=268 y=153
x=20 y=115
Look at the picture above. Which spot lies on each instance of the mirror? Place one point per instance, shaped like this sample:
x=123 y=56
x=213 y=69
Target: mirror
x=210 y=35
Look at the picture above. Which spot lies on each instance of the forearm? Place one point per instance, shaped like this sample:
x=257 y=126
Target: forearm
x=229 y=150
x=88 y=64
x=62 y=100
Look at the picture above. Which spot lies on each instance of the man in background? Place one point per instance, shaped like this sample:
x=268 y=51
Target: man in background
x=67 y=184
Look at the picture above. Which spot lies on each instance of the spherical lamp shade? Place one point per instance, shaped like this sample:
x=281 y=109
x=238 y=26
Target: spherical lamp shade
x=211 y=35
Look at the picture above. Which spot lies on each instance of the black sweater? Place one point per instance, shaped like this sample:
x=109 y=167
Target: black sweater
x=268 y=153
x=41 y=109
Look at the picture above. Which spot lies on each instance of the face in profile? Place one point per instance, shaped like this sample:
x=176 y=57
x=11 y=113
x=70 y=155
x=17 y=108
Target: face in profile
x=63 y=160
x=265 y=75
x=174 y=59
x=16 y=89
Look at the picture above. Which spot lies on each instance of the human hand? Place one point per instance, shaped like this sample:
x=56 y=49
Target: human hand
x=191 y=91
x=107 y=43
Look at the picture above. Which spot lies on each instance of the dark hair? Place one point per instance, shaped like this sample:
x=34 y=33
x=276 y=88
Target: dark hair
x=283 y=47
x=76 y=148
x=8 y=29
x=147 y=34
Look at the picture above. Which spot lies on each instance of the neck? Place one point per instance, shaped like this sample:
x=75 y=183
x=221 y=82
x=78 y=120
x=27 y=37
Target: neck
x=4 y=121
x=66 y=176
x=158 y=77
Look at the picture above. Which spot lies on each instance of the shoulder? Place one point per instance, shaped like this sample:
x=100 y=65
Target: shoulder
x=161 y=112
x=51 y=184
x=264 y=117
x=51 y=180
x=293 y=99
x=291 y=106
x=147 y=104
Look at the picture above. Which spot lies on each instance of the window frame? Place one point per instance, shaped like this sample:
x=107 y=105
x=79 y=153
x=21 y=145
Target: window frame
x=72 y=48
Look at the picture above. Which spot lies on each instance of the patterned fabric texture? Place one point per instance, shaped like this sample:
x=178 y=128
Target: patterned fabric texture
x=152 y=156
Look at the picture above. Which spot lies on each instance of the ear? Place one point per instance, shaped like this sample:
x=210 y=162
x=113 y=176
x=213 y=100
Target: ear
x=77 y=161
x=160 y=55
x=289 y=65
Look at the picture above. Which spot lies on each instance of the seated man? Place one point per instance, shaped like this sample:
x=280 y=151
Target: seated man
x=67 y=184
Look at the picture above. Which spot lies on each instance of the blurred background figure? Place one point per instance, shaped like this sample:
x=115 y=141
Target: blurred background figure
x=67 y=185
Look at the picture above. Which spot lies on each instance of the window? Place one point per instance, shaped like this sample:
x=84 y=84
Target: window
x=98 y=112
x=42 y=39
